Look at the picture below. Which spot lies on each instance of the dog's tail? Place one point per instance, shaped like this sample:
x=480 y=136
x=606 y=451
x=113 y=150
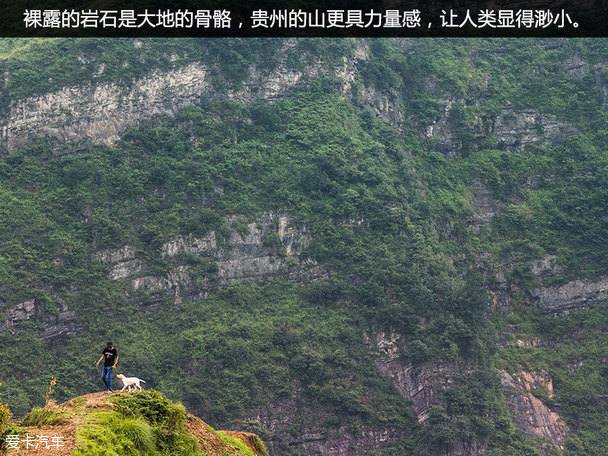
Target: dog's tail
x=143 y=381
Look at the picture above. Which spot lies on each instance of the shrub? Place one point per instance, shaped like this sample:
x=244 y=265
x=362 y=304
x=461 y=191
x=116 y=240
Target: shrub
x=154 y=408
x=137 y=431
x=5 y=415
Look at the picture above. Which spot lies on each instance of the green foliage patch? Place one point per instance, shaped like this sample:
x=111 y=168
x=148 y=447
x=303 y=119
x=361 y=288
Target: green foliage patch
x=142 y=423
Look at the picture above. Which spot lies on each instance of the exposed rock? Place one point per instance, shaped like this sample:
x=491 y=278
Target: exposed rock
x=484 y=204
x=527 y=342
x=516 y=130
x=19 y=312
x=545 y=269
x=101 y=112
x=530 y=413
x=420 y=384
x=576 y=67
x=578 y=293
x=385 y=105
x=509 y=130
x=600 y=72
x=362 y=51
x=347 y=444
x=58 y=327
x=126 y=269
x=172 y=282
x=316 y=435
x=448 y=136
x=462 y=449
x=248 y=267
x=114 y=256
x=269 y=245
x=190 y=244
x=22 y=311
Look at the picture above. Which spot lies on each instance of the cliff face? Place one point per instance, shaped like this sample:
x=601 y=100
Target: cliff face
x=422 y=384
x=267 y=247
x=101 y=112
x=297 y=424
x=554 y=299
x=529 y=412
x=573 y=295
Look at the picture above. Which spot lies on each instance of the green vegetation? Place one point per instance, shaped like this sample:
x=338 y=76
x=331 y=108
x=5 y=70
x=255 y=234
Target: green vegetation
x=42 y=416
x=237 y=444
x=389 y=210
x=5 y=416
x=574 y=352
x=143 y=423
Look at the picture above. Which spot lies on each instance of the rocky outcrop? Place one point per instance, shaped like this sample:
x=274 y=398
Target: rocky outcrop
x=22 y=311
x=298 y=424
x=128 y=268
x=528 y=411
x=512 y=130
x=516 y=130
x=59 y=326
x=384 y=104
x=114 y=256
x=557 y=299
x=574 y=294
x=576 y=67
x=449 y=136
x=420 y=384
x=101 y=112
x=56 y=326
x=484 y=204
x=269 y=245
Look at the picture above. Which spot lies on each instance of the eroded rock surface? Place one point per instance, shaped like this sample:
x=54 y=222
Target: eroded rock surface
x=56 y=326
x=528 y=411
x=574 y=294
x=316 y=434
x=101 y=112
x=420 y=385
x=268 y=246
x=558 y=299
x=516 y=130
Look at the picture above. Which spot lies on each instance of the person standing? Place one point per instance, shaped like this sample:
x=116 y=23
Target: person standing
x=110 y=357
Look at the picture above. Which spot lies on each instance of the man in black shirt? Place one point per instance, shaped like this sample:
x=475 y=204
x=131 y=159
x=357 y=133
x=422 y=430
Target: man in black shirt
x=110 y=357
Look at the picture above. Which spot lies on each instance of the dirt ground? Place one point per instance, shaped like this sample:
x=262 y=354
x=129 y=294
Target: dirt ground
x=59 y=438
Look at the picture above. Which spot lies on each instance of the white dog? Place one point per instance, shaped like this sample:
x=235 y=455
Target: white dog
x=129 y=382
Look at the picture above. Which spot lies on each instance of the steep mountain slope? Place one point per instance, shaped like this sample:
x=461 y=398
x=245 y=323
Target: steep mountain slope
x=352 y=247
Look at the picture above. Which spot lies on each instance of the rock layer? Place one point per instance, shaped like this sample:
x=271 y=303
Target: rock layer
x=529 y=412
